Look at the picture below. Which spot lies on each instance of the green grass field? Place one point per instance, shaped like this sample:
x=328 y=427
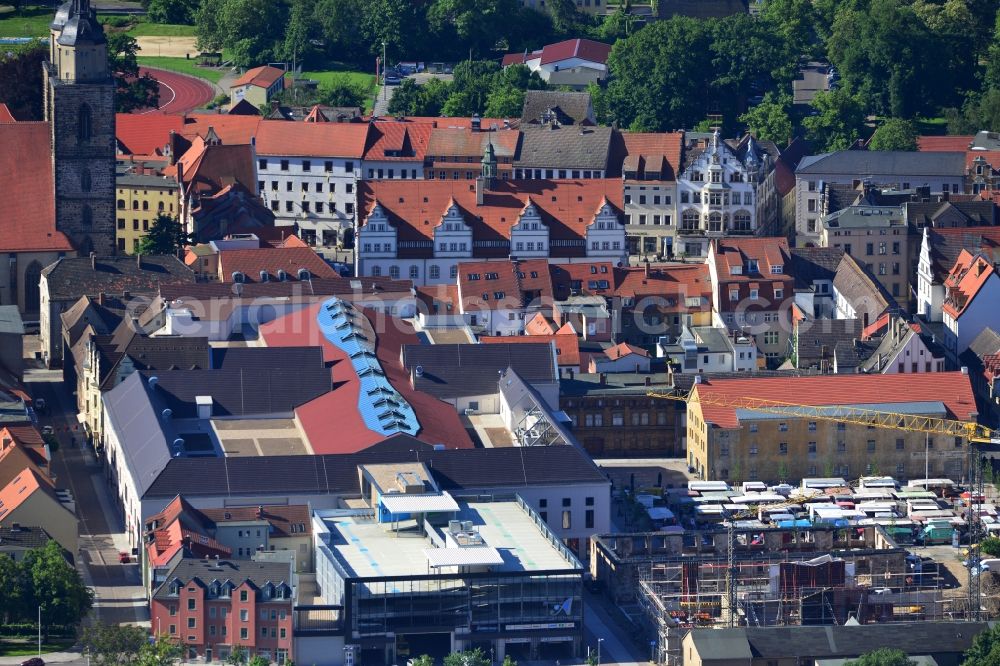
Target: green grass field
x=361 y=79
x=161 y=30
x=184 y=66
x=33 y=22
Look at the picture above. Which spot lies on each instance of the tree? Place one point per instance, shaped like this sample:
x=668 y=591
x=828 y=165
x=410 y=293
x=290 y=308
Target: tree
x=56 y=586
x=251 y=29
x=299 y=33
x=258 y=660
x=795 y=21
x=769 y=120
x=837 y=122
x=165 y=236
x=990 y=546
x=477 y=24
x=468 y=658
x=21 y=79
x=172 y=11
x=471 y=86
x=882 y=657
x=410 y=99
x=114 y=644
x=342 y=91
x=208 y=25
x=422 y=660
x=509 y=661
x=14 y=590
x=238 y=656
x=894 y=134
x=340 y=23
x=131 y=90
x=985 y=650
x=163 y=651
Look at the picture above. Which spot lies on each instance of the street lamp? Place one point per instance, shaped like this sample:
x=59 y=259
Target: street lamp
x=39 y=631
x=599 y=641
x=385 y=95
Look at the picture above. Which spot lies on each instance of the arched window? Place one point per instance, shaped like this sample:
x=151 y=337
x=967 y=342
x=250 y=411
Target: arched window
x=689 y=219
x=85 y=180
x=414 y=272
x=376 y=271
x=121 y=204
x=435 y=272
x=394 y=272
x=86 y=216
x=741 y=221
x=84 y=128
x=32 y=281
x=715 y=222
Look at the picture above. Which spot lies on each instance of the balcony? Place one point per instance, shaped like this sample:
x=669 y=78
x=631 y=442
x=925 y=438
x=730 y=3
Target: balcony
x=690 y=231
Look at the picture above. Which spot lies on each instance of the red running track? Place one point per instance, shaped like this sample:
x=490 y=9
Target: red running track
x=179 y=93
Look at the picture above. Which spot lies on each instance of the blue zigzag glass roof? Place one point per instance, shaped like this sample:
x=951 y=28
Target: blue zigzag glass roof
x=383 y=409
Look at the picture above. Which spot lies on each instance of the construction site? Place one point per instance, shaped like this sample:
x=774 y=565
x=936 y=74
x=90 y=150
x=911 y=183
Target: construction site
x=817 y=575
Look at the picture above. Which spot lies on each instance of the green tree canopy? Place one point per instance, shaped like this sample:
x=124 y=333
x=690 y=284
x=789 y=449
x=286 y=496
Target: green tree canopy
x=165 y=236
x=985 y=650
x=770 y=119
x=21 y=79
x=163 y=651
x=894 y=134
x=882 y=657
x=172 y=11
x=114 y=644
x=15 y=590
x=837 y=122
x=131 y=90
x=56 y=586
x=468 y=658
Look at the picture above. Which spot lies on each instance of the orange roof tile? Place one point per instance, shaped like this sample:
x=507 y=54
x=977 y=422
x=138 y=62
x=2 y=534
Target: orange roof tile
x=464 y=142
x=539 y=325
x=147 y=133
x=647 y=145
x=20 y=488
x=29 y=219
x=5 y=115
x=951 y=388
x=280 y=137
x=518 y=284
x=271 y=260
x=416 y=207
x=967 y=277
x=946 y=144
x=262 y=77
x=390 y=140
x=624 y=350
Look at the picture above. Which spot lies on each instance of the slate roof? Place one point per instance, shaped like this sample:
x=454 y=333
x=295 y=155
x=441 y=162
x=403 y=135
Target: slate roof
x=819 y=335
x=10 y=320
x=947 y=244
x=234 y=210
x=452 y=371
x=814 y=263
x=229 y=358
x=24 y=537
x=280 y=516
x=453 y=469
x=859 y=163
x=70 y=277
x=148 y=353
x=238 y=571
x=564 y=147
x=571 y=108
x=930 y=213
x=241 y=391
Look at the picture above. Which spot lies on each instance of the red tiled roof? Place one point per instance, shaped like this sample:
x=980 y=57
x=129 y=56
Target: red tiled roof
x=439 y=298
x=230 y=129
x=5 y=115
x=584 y=49
x=332 y=422
x=674 y=283
x=20 y=488
x=951 y=388
x=646 y=146
x=316 y=115
x=147 y=133
x=279 y=516
x=271 y=260
x=28 y=218
x=539 y=325
x=967 y=277
x=521 y=283
x=262 y=77
x=280 y=137
x=438 y=121
x=873 y=329
x=733 y=252
x=624 y=350
x=944 y=144
x=991 y=366
x=464 y=142
x=415 y=208
x=409 y=139
x=209 y=168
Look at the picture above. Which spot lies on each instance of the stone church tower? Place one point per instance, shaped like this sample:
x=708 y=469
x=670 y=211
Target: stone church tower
x=80 y=110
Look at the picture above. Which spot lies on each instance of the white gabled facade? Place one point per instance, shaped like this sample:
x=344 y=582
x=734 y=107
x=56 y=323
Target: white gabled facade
x=316 y=193
x=606 y=235
x=721 y=194
x=529 y=238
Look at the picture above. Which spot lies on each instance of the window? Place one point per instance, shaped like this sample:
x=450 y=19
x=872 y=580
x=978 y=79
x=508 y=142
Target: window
x=567 y=520
x=84 y=128
x=841 y=447
x=244 y=633
x=284 y=165
x=812 y=447
x=871 y=446
x=262 y=165
x=414 y=272
x=783 y=448
x=173 y=629
x=191 y=623
x=588 y=519
x=191 y=604
x=394 y=272
x=243 y=595
x=567 y=501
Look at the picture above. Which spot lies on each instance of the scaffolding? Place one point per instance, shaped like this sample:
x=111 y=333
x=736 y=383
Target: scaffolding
x=782 y=589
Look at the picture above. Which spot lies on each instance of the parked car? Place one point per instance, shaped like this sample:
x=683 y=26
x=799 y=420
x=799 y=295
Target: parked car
x=48 y=430
x=391 y=78
x=34 y=661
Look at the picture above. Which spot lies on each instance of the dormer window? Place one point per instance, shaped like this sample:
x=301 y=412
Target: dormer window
x=777 y=268
x=752 y=266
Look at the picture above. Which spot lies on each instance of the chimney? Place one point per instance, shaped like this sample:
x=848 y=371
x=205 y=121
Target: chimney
x=93 y=261
x=647 y=268
x=649 y=381
x=100 y=298
x=260 y=511
x=480 y=190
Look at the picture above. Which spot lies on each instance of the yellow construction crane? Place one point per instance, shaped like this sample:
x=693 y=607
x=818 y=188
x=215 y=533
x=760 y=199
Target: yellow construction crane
x=970 y=430
x=975 y=433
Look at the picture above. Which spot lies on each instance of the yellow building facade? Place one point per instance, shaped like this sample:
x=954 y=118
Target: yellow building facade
x=142 y=193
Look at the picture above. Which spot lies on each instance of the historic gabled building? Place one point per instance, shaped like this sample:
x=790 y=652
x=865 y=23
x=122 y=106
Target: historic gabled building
x=422 y=230
x=725 y=189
